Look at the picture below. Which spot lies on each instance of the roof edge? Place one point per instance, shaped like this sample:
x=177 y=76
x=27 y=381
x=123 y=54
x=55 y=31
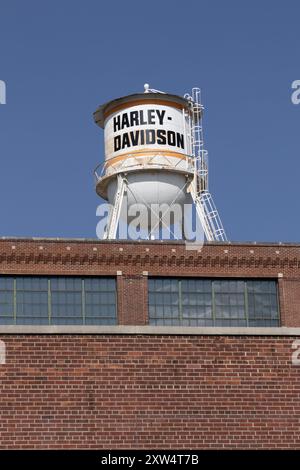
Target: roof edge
x=146 y=242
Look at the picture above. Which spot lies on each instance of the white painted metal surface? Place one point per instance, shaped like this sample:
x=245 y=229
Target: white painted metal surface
x=152 y=187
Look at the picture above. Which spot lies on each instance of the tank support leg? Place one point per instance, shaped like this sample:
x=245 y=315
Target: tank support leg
x=114 y=216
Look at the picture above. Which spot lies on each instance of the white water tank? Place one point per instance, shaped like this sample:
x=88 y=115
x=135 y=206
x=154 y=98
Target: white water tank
x=147 y=139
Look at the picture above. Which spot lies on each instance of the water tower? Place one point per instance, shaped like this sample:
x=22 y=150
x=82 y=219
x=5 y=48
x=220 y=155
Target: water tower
x=154 y=155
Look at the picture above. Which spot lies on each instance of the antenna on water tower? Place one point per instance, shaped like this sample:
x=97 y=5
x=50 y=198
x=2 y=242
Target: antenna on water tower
x=154 y=155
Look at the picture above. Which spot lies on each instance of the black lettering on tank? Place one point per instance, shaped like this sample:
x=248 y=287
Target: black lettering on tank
x=134 y=137
x=117 y=143
x=171 y=138
x=125 y=121
x=134 y=118
x=117 y=120
x=125 y=141
x=180 y=140
x=150 y=136
x=160 y=115
x=161 y=137
x=142 y=120
x=151 y=116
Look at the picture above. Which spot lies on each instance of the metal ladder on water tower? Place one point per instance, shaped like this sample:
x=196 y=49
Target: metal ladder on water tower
x=205 y=206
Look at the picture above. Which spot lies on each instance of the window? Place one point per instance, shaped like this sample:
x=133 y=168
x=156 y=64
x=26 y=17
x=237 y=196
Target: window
x=61 y=300
x=262 y=303
x=229 y=303
x=100 y=292
x=66 y=301
x=213 y=302
x=31 y=301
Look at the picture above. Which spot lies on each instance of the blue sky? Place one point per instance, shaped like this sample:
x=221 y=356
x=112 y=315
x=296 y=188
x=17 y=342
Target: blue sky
x=60 y=60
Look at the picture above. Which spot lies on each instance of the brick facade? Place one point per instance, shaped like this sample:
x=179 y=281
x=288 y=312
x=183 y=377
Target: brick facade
x=132 y=262
x=116 y=391
x=151 y=390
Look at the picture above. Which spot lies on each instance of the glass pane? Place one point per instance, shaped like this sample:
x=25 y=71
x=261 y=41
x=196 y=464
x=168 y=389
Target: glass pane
x=6 y=320
x=6 y=283
x=100 y=301
x=99 y=284
x=66 y=284
x=163 y=301
x=32 y=300
x=32 y=284
x=263 y=303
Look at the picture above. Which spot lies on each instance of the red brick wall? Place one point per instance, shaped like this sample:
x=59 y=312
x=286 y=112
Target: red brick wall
x=132 y=300
x=134 y=259
x=126 y=391
x=289 y=295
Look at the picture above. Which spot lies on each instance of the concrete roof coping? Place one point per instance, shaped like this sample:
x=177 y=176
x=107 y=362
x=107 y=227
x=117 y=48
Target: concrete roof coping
x=146 y=330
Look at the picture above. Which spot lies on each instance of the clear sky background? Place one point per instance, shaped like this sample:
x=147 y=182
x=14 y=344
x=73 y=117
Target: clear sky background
x=61 y=59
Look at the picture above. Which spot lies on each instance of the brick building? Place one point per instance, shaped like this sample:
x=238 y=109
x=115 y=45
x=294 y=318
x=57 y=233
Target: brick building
x=108 y=344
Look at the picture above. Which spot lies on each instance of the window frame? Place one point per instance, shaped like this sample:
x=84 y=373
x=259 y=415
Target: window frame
x=185 y=320
x=14 y=319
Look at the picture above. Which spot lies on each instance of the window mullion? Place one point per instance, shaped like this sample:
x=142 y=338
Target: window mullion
x=213 y=302
x=246 y=302
x=15 y=301
x=83 y=301
x=49 y=301
x=277 y=306
x=180 y=300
